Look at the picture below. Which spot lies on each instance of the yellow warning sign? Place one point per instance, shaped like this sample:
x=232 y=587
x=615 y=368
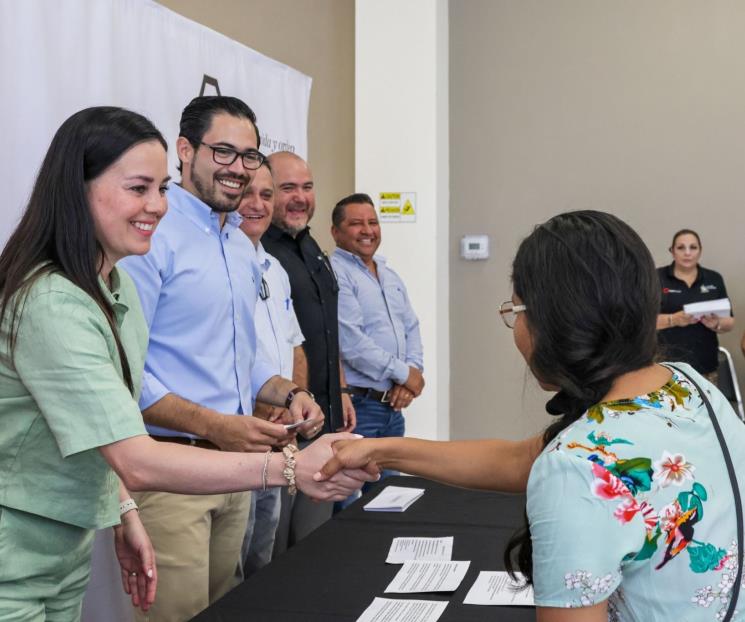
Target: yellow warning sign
x=397 y=206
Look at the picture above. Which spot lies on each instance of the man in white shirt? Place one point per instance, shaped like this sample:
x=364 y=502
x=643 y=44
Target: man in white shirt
x=279 y=345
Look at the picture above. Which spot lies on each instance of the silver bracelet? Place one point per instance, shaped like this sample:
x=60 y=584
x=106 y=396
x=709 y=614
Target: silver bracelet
x=265 y=470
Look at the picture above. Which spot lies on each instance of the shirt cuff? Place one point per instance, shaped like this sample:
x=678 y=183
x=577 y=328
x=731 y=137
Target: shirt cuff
x=400 y=372
x=153 y=390
x=260 y=374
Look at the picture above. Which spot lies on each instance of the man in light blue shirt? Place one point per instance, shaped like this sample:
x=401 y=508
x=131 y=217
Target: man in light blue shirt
x=381 y=348
x=279 y=347
x=198 y=286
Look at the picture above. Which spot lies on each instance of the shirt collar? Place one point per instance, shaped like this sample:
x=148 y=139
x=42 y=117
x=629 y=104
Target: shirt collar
x=262 y=258
x=275 y=233
x=198 y=211
x=356 y=259
x=113 y=295
x=699 y=273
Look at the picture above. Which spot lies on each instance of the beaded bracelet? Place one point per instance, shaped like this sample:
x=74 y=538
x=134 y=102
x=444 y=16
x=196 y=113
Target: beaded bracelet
x=289 y=452
x=127 y=505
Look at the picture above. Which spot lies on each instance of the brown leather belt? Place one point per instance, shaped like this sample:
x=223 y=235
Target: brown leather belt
x=379 y=396
x=184 y=440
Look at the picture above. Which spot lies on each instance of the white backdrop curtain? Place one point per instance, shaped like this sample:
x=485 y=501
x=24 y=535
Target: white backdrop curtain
x=57 y=57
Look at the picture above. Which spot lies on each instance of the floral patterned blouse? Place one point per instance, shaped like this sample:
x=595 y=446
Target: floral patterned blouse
x=632 y=503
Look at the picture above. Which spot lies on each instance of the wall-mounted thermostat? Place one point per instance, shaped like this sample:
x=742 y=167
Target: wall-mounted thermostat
x=473 y=247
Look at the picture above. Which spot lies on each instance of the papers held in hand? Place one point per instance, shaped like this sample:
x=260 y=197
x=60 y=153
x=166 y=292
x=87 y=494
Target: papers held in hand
x=394 y=499
x=720 y=307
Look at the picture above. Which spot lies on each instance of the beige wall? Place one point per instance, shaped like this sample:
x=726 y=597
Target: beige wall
x=317 y=38
x=637 y=108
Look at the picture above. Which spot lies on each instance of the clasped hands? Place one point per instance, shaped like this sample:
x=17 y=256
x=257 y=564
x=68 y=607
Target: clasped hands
x=681 y=318
x=401 y=395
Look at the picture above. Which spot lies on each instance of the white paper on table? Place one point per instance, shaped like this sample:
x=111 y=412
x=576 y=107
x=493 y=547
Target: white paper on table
x=496 y=588
x=426 y=549
x=422 y=576
x=394 y=499
x=388 y=610
x=720 y=307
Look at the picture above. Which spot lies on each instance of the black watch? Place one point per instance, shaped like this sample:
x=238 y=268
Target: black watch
x=293 y=392
x=348 y=390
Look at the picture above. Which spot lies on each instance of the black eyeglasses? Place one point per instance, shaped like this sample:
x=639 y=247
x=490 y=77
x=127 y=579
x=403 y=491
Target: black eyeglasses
x=264 y=289
x=251 y=159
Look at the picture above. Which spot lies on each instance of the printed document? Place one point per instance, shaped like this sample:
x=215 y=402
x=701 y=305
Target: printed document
x=421 y=576
x=387 y=610
x=394 y=499
x=427 y=549
x=496 y=588
x=720 y=307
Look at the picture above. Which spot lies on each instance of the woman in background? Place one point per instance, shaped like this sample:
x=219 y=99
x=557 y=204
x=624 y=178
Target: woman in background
x=630 y=505
x=72 y=348
x=683 y=337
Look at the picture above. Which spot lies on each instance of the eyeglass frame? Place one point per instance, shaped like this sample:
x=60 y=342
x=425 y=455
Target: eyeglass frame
x=513 y=309
x=261 y=159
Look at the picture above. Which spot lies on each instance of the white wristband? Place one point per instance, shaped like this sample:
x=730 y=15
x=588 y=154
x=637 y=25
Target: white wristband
x=127 y=505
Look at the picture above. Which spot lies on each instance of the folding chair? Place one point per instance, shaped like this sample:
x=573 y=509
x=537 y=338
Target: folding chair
x=727 y=382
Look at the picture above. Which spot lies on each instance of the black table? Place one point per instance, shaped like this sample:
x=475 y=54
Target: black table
x=334 y=573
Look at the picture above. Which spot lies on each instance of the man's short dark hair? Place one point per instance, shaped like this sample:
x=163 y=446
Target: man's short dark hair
x=337 y=216
x=197 y=117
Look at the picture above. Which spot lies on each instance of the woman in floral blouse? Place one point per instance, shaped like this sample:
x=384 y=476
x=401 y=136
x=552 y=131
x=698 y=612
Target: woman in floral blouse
x=629 y=504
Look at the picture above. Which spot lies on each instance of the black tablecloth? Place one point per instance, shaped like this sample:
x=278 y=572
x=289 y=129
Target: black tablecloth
x=334 y=574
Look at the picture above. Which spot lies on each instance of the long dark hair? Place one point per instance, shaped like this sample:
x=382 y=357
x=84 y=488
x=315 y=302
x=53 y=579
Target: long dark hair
x=56 y=232
x=592 y=296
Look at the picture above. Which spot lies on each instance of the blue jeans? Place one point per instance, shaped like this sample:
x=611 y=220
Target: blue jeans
x=263 y=519
x=374 y=420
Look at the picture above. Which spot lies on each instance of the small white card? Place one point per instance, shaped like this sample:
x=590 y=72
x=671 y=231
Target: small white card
x=420 y=576
x=496 y=588
x=394 y=499
x=720 y=307
x=425 y=549
x=388 y=610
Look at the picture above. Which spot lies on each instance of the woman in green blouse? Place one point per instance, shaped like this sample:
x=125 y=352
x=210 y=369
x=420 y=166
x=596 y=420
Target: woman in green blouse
x=72 y=348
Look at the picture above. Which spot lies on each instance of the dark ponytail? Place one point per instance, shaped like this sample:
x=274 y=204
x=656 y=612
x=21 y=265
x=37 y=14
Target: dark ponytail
x=592 y=295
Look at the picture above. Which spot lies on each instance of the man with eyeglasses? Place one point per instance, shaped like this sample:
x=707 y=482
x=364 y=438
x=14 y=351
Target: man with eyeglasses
x=279 y=344
x=198 y=287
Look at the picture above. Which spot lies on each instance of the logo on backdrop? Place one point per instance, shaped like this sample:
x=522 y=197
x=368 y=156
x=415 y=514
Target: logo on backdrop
x=209 y=83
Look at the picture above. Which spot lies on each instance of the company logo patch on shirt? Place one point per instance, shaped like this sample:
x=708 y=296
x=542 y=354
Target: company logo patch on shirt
x=705 y=289
x=667 y=290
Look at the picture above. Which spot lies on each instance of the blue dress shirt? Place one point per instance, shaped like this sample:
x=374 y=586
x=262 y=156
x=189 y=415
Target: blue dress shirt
x=276 y=324
x=198 y=287
x=378 y=330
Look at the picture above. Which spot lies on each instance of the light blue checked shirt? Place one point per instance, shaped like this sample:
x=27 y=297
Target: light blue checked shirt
x=198 y=287
x=378 y=330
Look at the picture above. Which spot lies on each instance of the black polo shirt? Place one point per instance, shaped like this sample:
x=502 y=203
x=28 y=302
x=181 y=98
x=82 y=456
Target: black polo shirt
x=694 y=344
x=315 y=293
